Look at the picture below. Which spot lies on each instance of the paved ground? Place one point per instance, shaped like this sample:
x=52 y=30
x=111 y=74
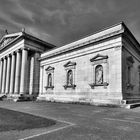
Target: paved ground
x=82 y=122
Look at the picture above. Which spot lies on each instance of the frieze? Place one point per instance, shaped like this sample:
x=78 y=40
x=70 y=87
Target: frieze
x=84 y=43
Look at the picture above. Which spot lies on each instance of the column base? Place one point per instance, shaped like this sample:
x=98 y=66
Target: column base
x=24 y=97
x=6 y=93
x=16 y=93
x=23 y=93
x=2 y=96
x=11 y=93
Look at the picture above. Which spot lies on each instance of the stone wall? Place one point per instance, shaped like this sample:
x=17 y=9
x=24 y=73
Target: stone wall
x=131 y=80
x=84 y=90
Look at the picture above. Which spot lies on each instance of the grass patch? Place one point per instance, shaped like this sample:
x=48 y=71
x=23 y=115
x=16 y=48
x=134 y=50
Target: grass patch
x=13 y=120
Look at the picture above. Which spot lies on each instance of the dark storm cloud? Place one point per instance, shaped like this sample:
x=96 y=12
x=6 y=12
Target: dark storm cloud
x=63 y=21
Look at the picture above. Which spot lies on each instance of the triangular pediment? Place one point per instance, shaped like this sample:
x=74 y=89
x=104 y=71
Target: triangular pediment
x=7 y=39
x=49 y=68
x=98 y=57
x=70 y=64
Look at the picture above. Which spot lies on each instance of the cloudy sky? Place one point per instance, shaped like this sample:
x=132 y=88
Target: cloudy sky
x=64 y=21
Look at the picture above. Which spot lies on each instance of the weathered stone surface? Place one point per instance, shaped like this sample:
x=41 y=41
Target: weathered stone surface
x=107 y=49
x=16 y=74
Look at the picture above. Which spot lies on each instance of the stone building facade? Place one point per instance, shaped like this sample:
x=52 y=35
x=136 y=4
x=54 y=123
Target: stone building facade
x=103 y=68
x=19 y=65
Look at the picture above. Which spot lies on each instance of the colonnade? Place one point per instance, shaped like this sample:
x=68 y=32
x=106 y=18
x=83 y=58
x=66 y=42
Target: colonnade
x=13 y=72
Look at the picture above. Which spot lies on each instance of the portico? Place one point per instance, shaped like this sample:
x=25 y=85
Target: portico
x=19 y=65
x=13 y=72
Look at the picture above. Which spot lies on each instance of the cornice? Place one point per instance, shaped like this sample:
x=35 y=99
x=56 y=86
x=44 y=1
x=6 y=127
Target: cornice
x=83 y=44
x=38 y=40
x=23 y=35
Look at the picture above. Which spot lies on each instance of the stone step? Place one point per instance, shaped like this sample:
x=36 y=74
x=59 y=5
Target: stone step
x=130 y=106
x=17 y=97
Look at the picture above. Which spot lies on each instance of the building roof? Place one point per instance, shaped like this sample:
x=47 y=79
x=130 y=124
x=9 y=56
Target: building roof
x=108 y=32
x=8 y=39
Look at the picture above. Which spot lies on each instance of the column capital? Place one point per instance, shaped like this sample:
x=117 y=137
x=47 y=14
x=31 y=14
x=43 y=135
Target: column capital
x=13 y=53
x=27 y=49
x=18 y=51
x=42 y=66
x=9 y=55
x=5 y=57
x=1 y=59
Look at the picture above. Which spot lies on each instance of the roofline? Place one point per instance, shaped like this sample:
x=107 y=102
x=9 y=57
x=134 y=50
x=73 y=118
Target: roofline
x=10 y=35
x=103 y=29
x=125 y=28
x=31 y=37
x=25 y=36
x=3 y=48
x=90 y=41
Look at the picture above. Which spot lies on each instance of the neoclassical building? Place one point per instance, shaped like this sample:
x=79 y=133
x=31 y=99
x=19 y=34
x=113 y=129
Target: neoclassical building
x=103 y=68
x=19 y=65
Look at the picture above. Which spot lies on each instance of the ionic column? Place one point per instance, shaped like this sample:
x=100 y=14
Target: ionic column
x=17 y=74
x=8 y=74
x=1 y=71
x=12 y=76
x=4 y=75
x=23 y=85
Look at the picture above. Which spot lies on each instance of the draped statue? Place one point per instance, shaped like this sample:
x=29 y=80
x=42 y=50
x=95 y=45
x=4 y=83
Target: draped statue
x=99 y=74
x=49 y=80
x=70 y=78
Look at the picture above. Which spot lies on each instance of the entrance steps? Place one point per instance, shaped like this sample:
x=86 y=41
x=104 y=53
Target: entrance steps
x=18 y=97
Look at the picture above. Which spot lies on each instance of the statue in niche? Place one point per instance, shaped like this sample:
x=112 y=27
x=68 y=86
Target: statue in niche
x=50 y=80
x=99 y=74
x=70 y=79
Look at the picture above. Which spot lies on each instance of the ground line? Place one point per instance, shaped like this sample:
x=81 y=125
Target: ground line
x=47 y=132
x=122 y=120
